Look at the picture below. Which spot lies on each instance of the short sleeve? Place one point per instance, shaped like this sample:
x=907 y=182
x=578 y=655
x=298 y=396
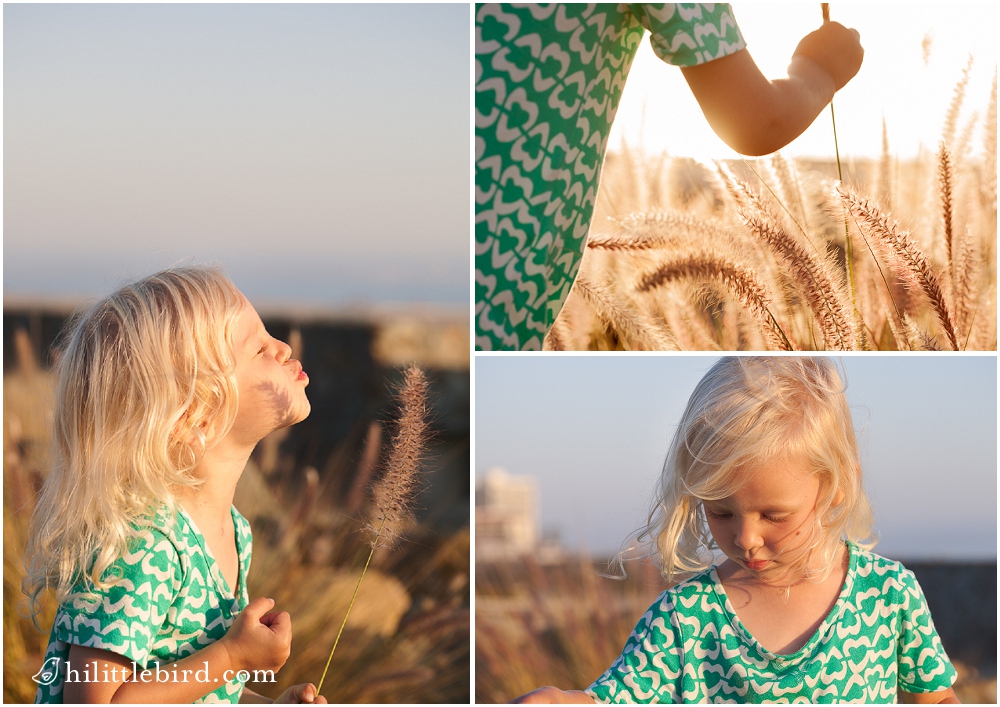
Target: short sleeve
x=923 y=664
x=648 y=670
x=125 y=617
x=690 y=34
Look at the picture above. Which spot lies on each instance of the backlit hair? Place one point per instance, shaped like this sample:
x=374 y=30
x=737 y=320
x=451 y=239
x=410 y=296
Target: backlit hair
x=745 y=413
x=146 y=383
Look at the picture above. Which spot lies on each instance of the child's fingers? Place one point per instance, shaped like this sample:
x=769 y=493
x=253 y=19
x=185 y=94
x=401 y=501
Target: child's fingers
x=308 y=694
x=256 y=609
x=835 y=49
x=277 y=621
x=305 y=694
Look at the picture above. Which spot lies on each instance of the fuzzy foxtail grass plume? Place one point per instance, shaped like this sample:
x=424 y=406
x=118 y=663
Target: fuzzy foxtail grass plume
x=393 y=492
x=622 y=316
x=897 y=247
x=739 y=281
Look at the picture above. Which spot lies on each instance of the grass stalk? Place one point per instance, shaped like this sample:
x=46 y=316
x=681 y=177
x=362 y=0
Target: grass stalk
x=848 y=250
x=393 y=493
x=350 y=606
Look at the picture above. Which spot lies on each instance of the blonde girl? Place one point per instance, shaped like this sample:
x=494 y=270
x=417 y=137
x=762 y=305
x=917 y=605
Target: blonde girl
x=764 y=468
x=164 y=388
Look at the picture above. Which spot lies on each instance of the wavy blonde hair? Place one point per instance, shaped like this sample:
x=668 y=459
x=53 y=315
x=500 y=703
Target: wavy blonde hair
x=146 y=383
x=744 y=413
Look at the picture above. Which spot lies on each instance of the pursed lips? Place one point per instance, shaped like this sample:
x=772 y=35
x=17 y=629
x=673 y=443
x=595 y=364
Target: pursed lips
x=298 y=372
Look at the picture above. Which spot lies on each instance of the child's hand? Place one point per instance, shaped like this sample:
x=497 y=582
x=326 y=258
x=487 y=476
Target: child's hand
x=301 y=695
x=835 y=49
x=258 y=640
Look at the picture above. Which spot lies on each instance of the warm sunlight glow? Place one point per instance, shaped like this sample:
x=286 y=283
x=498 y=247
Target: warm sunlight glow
x=659 y=112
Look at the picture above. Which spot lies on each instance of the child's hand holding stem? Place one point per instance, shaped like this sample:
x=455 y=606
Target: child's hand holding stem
x=263 y=641
x=755 y=116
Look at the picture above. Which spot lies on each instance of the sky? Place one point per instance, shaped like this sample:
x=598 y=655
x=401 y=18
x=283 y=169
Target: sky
x=594 y=431
x=320 y=152
x=894 y=83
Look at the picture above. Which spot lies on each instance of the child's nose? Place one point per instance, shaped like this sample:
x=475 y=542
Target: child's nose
x=284 y=350
x=747 y=536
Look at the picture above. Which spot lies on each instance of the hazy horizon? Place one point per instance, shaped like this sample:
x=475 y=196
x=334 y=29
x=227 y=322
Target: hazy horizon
x=594 y=431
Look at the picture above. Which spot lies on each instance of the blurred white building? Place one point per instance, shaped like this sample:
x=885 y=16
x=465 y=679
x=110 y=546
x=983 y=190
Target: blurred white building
x=506 y=515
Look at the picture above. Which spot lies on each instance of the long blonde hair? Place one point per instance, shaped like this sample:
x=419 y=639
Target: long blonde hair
x=745 y=412
x=146 y=383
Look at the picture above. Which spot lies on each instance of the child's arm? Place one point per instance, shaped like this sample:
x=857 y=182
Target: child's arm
x=929 y=698
x=755 y=116
x=554 y=696
x=256 y=641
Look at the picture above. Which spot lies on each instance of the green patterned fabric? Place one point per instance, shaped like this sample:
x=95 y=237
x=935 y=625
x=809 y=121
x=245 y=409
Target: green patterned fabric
x=548 y=82
x=691 y=647
x=169 y=601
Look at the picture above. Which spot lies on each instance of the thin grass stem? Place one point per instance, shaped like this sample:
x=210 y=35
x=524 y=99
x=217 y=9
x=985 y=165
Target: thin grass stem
x=349 y=607
x=848 y=250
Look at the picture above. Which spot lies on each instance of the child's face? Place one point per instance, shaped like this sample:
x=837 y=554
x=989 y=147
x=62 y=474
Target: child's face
x=766 y=526
x=272 y=385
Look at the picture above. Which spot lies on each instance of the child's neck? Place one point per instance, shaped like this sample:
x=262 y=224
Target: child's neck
x=219 y=471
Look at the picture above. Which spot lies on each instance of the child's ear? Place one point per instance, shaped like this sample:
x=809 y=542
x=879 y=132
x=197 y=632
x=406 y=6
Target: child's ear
x=838 y=498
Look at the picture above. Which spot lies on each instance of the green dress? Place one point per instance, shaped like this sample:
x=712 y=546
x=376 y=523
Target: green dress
x=169 y=601
x=690 y=646
x=548 y=82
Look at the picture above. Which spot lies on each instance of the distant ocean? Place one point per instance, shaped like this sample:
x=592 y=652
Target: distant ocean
x=277 y=275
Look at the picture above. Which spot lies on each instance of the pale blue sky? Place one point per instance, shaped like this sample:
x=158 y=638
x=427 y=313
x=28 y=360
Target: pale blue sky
x=318 y=151
x=595 y=430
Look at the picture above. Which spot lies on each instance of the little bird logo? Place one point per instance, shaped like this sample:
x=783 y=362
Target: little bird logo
x=48 y=673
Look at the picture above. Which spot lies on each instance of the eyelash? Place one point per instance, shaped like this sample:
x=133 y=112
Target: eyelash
x=768 y=519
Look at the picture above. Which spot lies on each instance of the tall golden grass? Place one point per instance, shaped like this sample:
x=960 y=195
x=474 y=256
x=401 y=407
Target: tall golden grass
x=407 y=639
x=560 y=625
x=753 y=254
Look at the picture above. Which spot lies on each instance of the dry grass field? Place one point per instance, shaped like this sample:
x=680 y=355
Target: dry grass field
x=782 y=255
x=407 y=638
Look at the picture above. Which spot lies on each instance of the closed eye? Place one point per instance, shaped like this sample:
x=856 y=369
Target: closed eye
x=766 y=518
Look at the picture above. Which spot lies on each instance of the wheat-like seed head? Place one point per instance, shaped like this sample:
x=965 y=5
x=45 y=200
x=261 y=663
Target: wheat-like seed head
x=826 y=303
x=622 y=316
x=899 y=249
x=944 y=186
x=989 y=175
x=740 y=282
x=884 y=184
x=554 y=338
x=955 y=107
x=393 y=492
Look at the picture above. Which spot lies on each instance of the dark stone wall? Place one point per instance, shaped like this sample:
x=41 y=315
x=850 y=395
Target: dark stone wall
x=962 y=598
